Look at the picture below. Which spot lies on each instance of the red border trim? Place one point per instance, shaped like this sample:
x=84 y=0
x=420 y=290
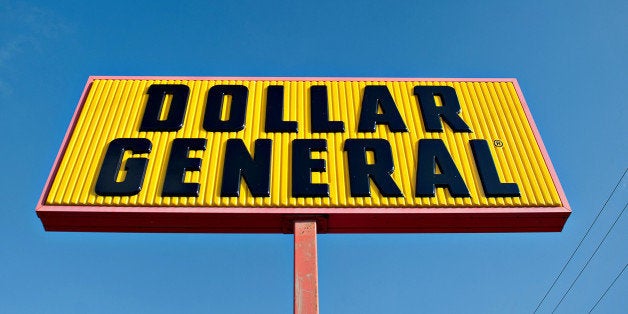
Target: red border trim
x=64 y=143
x=539 y=141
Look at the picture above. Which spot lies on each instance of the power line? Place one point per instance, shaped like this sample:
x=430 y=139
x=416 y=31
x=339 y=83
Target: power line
x=581 y=241
x=589 y=260
x=609 y=288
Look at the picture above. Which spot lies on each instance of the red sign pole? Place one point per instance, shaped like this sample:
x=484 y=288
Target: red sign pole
x=305 y=267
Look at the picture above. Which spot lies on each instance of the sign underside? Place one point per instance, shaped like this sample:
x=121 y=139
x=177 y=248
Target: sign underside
x=171 y=154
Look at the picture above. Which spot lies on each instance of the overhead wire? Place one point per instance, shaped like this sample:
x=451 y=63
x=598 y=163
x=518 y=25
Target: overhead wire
x=589 y=260
x=581 y=241
x=609 y=288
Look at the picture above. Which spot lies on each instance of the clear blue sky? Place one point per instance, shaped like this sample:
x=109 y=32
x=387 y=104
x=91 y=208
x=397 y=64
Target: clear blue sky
x=570 y=60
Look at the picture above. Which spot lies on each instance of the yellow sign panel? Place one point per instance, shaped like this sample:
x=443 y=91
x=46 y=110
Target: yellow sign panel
x=303 y=143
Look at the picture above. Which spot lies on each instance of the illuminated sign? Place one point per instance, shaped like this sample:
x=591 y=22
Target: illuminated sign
x=169 y=154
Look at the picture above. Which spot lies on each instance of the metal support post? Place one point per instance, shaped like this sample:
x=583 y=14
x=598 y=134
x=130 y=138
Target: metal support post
x=305 y=267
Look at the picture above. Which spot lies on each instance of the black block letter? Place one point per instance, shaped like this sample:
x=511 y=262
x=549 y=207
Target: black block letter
x=179 y=163
x=303 y=165
x=107 y=183
x=488 y=172
x=379 y=97
x=448 y=111
x=174 y=118
x=432 y=153
x=238 y=163
x=214 y=107
x=274 y=112
x=319 y=112
x=380 y=172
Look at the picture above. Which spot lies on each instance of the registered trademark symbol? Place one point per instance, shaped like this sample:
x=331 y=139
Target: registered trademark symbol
x=498 y=143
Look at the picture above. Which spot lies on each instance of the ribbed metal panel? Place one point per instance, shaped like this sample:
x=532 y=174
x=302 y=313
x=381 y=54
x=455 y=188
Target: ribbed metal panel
x=113 y=108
